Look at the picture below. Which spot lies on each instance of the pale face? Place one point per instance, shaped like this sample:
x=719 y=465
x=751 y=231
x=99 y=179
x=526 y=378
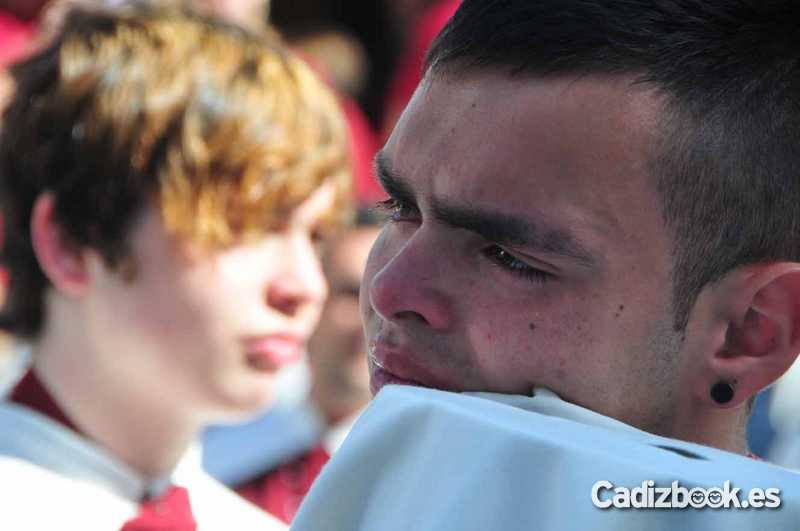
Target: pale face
x=526 y=247
x=337 y=353
x=208 y=330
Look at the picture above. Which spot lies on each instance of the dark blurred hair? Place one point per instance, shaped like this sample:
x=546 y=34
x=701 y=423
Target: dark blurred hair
x=223 y=132
x=727 y=164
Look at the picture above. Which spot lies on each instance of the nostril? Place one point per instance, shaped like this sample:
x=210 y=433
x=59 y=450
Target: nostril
x=286 y=297
x=284 y=305
x=411 y=316
x=396 y=298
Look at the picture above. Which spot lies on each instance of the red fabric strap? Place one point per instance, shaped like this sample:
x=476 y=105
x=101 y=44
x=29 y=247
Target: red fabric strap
x=280 y=491
x=169 y=512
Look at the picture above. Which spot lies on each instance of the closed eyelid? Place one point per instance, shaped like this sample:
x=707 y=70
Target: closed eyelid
x=534 y=261
x=503 y=259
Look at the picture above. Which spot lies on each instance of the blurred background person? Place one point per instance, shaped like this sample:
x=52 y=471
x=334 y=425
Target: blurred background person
x=160 y=239
x=393 y=34
x=273 y=460
x=337 y=353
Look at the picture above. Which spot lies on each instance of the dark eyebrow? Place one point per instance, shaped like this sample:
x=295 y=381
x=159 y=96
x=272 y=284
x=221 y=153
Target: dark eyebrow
x=392 y=184
x=498 y=227
x=506 y=229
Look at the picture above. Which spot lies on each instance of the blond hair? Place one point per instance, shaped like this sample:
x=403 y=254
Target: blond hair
x=225 y=131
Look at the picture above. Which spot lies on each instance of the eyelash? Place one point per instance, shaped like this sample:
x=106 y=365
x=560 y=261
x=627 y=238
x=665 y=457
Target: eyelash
x=513 y=265
x=398 y=210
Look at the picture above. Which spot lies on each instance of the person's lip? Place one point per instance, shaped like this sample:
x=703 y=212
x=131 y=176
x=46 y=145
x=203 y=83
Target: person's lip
x=271 y=352
x=398 y=366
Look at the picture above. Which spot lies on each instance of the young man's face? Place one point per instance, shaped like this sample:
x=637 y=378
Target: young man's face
x=526 y=248
x=210 y=329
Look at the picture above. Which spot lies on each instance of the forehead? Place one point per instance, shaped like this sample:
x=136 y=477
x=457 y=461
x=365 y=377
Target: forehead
x=571 y=152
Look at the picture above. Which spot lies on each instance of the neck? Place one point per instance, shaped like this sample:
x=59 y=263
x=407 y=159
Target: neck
x=115 y=409
x=720 y=428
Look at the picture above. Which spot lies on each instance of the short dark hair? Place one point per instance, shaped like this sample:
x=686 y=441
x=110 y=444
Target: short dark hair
x=727 y=164
x=222 y=131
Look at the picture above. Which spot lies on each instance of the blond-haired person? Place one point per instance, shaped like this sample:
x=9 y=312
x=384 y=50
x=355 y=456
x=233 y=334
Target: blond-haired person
x=164 y=181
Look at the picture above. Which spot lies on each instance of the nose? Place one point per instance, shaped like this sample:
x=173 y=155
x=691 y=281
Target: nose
x=410 y=282
x=300 y=283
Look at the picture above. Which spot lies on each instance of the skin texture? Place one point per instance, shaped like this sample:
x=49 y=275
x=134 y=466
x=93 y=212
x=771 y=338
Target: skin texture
x=569 y=157
x=337 y=352
x=526 y=247
x=170 y=347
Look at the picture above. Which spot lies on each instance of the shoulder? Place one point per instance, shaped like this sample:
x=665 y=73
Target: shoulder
x=35 y=498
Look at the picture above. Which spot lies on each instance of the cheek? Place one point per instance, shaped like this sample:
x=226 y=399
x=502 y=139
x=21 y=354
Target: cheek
x=149 y=317
x=194 y=309
x=236 y=274
x=530 y=339
x=181 y=314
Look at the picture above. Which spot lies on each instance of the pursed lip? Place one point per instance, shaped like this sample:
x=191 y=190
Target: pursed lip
x=399 y=366
x=272 y=351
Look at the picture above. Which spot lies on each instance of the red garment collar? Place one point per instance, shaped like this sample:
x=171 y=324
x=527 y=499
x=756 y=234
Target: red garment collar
x=31 y=393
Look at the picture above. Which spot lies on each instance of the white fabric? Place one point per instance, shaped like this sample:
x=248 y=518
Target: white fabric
x=784 y=414
x=785 y=408
x=51 y=478
x=434 y=461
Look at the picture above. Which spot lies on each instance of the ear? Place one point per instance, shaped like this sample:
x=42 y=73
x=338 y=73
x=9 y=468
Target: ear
x=762 y=340
x=61 y=261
